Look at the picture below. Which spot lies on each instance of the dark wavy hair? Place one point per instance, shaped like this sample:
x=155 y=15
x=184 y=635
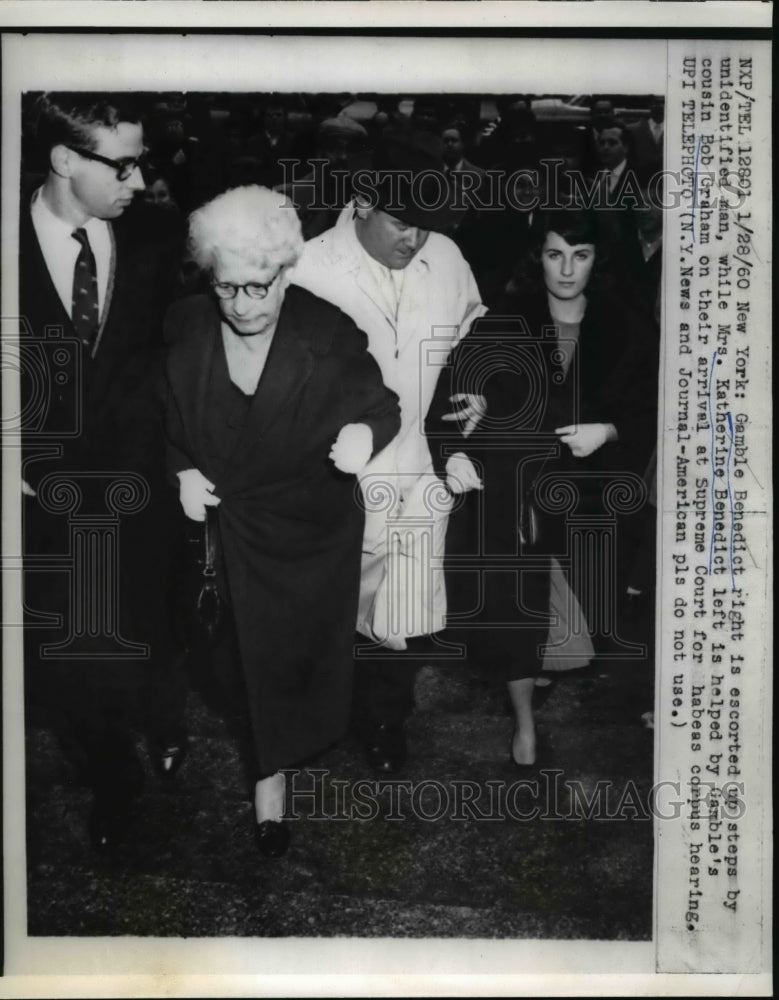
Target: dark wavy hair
x=70 y=118
x=575 y=226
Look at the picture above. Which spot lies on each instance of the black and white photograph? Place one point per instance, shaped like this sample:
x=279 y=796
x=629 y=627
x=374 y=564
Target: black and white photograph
x=343 y=601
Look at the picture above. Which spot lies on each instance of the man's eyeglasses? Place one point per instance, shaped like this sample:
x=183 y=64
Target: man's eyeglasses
x=123 y=168
x=227 y=290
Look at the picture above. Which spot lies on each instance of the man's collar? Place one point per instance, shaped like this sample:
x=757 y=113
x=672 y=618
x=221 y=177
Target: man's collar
x=54 y=223
x=43 y=215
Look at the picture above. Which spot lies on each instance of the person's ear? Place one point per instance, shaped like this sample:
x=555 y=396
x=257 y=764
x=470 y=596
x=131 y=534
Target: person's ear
x=362 y=207
x=61 y=160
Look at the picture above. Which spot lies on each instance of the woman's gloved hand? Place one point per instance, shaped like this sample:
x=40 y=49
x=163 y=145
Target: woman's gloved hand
x=461 y=474
x=353 y=448
x=584 y=439
x=195 y=494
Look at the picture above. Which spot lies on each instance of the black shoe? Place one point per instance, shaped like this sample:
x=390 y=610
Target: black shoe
x=272 y=838
x=110 y=818
x=117 y=781
x=525 y=769
x=168 y=757
x=385 y=748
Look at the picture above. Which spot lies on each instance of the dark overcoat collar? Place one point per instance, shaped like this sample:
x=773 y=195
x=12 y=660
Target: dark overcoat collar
x=288 y=368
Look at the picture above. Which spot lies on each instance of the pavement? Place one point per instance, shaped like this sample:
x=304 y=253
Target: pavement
x=459 y=844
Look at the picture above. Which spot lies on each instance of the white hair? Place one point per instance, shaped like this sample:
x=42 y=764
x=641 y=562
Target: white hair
x=252 y=222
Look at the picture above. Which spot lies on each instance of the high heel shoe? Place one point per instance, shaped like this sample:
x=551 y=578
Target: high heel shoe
x=522 y=768
x=168 y=758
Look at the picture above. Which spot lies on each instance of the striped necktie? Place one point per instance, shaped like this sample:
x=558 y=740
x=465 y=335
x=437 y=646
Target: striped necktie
x=86 y=310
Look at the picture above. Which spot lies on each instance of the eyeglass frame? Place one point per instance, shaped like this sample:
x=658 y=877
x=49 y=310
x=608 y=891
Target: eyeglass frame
x=244 y=288
x=124 y=168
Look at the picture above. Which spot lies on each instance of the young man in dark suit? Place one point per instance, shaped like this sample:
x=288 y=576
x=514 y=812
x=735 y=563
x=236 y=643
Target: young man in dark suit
x=619 y=196
x=99 y=650
x=647 y=138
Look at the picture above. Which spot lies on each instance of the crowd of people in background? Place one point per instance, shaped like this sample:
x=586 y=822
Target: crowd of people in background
x=309 y=146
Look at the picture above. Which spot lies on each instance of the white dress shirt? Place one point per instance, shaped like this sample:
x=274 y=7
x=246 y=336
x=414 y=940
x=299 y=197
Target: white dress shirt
x=389 y=280
x=615 y=173
x=60 y=250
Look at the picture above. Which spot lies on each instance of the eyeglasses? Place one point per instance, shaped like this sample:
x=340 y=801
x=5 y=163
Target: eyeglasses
x=227 y=290
x=124 y=168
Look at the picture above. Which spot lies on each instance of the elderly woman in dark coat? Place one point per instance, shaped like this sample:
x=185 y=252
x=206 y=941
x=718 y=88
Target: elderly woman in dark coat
x=273 y=404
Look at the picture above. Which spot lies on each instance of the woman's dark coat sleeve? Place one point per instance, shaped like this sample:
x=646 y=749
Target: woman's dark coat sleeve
x=364 y=397
x=445 y=437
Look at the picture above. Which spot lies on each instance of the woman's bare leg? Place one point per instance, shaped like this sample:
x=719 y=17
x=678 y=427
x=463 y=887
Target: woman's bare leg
x=523 y=747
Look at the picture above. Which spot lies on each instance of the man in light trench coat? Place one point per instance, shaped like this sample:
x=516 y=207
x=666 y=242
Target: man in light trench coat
x=387 y=265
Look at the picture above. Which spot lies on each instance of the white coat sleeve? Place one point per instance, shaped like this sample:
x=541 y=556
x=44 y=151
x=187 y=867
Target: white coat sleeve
x=470 y=305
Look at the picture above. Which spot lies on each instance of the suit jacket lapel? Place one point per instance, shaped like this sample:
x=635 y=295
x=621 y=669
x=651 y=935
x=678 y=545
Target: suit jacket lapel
x=348 y=255
x=414 y=305
x=37 y=287
x=37 y=294
x=114 y=269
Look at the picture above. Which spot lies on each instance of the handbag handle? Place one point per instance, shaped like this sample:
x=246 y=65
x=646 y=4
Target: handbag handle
x=209 y=568
x=210 y=603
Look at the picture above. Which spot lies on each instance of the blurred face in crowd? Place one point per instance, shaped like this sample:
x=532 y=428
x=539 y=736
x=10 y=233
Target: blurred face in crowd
x=158 y=193
x=388 y=240
x=245 y=313
x=425 y=116
x=274 y=119
x=94 y=189
x=524 y=190
x=342 y=151
x=567 y=268
x=611 y=148
x=453 y=146
x=568 y=154
x=174 y=130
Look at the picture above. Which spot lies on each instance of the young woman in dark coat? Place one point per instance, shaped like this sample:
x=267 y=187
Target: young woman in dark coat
x=273 y=404
x=561 y=383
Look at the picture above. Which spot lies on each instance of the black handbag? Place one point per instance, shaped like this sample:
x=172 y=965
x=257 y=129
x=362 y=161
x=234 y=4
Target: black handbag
x=200 y=607
x=529 y=522
x=210 y=604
